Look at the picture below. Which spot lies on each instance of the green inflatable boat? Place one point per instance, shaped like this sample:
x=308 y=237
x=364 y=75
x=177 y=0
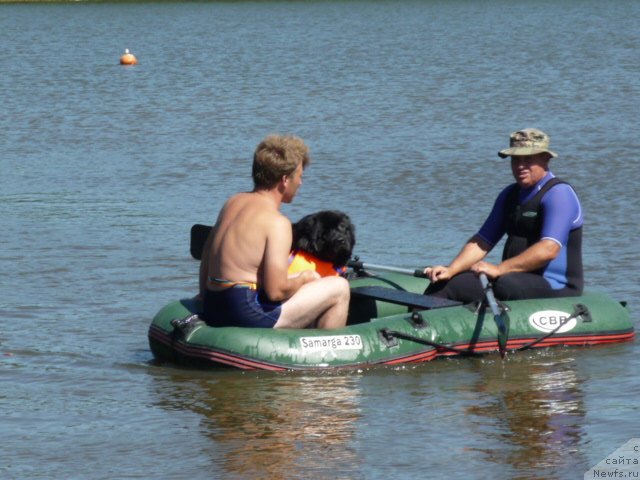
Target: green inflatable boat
x=391 y=322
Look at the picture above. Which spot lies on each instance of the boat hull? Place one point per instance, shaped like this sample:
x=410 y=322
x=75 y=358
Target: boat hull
x=383 y=333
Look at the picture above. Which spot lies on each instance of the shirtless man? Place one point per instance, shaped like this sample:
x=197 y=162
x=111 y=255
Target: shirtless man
x=243 y=272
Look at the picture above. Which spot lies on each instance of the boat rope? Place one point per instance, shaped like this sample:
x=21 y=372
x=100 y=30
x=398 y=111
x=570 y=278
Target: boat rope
x=579 y=310
x=388 y=334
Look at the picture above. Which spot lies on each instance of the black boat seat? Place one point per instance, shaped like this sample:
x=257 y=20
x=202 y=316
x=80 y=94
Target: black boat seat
x=401 y=297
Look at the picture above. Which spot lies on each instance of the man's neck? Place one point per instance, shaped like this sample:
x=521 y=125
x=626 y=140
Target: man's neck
x=273 y=195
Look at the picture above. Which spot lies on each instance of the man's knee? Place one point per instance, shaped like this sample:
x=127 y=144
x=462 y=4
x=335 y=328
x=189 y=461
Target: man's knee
x=339 y=288
x=464 y=287
x=513 y=287
x=327 y=291
x=503 y=290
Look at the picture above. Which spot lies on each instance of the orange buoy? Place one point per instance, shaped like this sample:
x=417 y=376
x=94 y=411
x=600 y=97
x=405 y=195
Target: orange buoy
x=128 y=58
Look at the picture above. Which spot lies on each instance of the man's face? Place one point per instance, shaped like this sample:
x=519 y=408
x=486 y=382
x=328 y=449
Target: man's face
x=292 y=184
x=529 y=169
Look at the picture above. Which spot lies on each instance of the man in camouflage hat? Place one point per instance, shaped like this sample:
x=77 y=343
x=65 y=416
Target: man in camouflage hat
x=542 y=218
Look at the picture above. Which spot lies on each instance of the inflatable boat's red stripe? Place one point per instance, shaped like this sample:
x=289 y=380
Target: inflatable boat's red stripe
x=513 y=343
x=247 y=364
x=211 y=355
x=224 y=358
x=573 y=340
x=414 y=358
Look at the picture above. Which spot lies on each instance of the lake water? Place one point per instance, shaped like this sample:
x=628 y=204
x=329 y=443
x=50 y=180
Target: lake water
x=104 y=168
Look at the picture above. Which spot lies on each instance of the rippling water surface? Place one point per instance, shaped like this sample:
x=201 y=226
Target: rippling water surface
x=104 y=168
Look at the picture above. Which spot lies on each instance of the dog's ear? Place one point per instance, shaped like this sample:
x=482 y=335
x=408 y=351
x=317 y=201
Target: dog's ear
x=315 y=233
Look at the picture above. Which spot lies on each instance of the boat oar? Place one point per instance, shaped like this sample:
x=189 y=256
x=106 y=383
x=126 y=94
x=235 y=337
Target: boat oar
x=358 y=265
x=499 y=315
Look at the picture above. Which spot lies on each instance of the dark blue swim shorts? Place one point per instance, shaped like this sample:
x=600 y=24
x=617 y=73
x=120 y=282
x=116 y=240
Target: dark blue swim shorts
x=239 y=306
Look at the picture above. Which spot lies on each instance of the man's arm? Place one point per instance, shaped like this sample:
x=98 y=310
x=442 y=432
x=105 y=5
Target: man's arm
x=533 y=258
x=275 y=280
x=478 y=246
x=472 y=252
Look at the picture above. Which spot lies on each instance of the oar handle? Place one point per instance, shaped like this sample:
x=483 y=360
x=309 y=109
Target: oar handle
x=491 y=299
x=358 y=265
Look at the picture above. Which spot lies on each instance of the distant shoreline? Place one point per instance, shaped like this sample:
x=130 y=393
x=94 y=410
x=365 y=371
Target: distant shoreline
x=8 y=2
x=5 y=2
x=56 y=1
x=16 y=2
x=81 y=1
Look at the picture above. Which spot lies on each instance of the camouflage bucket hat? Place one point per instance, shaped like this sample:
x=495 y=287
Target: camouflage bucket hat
x=529 y=141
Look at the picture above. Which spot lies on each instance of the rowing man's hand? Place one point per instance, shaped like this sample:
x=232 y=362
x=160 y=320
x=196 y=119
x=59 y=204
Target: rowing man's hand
x=489 y=269
x=437 y=273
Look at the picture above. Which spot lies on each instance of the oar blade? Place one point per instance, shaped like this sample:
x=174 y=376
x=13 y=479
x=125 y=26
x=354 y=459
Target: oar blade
x=499 y=315
x=502 y=322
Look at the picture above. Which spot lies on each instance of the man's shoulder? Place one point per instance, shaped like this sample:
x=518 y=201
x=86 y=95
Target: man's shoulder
x=560 y=188
x=239 y=197
x=249 y=200
x=510 y=190
x=233 y=200
x=279 y=219
x=563 y=198
x=267 y=214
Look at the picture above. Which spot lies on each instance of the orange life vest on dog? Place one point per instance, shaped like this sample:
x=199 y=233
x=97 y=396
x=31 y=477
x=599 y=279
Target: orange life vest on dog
x=299 y=261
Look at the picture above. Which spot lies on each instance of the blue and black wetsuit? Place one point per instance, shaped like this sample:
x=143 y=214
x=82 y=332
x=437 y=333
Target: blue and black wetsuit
x=549 y=210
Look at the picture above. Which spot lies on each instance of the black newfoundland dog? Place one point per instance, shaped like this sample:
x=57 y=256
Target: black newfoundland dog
x=328 y=235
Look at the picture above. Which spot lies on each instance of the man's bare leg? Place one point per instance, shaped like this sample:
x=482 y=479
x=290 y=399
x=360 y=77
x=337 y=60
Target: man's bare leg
x=323 y=303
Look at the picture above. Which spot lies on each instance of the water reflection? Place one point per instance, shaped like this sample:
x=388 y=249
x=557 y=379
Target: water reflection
x=265 y=425
x=535 y=405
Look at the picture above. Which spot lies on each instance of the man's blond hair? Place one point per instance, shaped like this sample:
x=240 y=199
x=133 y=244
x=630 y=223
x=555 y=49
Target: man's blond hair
x=277 y=156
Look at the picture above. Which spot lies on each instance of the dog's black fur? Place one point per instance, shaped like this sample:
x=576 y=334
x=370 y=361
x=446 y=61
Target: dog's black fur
x=328 y=235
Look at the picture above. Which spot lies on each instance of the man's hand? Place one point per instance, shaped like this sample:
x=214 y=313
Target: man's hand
x=489 y=269
x=438 y=273
x=309 y=275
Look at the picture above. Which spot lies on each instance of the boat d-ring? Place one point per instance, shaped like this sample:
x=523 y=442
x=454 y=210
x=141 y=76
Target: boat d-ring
x=387 y=337
x=184 y=327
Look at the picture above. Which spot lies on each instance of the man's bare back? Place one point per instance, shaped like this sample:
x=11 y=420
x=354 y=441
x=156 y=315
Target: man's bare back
x=240 y=237
x=249 y=247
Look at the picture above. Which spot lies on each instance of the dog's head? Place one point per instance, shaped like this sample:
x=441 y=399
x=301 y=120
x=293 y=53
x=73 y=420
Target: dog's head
x=328 y=235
